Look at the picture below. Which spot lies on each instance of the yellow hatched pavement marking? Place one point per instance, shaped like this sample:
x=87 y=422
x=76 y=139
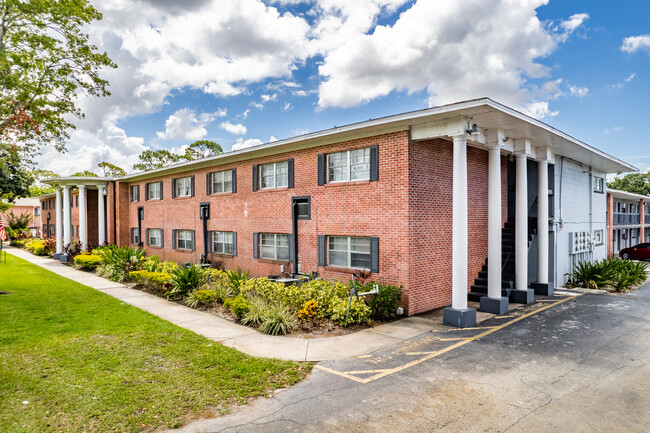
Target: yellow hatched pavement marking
x=432 y=355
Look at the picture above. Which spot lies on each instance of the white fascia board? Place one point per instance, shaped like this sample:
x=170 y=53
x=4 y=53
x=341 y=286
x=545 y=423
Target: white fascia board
x=627 y=195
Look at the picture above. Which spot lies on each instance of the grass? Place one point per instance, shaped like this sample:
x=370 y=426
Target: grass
x=85 y=361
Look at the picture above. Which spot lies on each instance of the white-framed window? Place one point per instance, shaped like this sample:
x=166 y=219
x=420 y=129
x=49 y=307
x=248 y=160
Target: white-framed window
x=135 y=236
x=599 y=184
x=134 y=193
x=598 y=237
x=348 y=252
x=154 y=191
x=274 y=175
x=223 y=243
x=183 y=186
x=185 y=239
x=222 y=181
x=274 y=246
x=155 y=237
x=348 y=165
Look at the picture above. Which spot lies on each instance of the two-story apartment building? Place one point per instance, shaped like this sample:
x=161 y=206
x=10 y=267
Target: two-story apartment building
x=628 y=220
x=472 y=200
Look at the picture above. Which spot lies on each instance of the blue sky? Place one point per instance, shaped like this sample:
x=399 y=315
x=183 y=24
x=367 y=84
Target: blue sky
x=243 y=72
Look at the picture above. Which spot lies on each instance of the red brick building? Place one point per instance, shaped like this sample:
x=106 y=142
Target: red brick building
x=421 y=199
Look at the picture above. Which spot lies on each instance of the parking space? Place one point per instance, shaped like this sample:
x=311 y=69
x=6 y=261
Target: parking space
x=367 y=368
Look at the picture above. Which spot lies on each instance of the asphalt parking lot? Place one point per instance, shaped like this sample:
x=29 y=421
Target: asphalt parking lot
x=567 y=364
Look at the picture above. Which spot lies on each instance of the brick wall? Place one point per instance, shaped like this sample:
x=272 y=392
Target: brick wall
x=430 y=232
x=378 y=208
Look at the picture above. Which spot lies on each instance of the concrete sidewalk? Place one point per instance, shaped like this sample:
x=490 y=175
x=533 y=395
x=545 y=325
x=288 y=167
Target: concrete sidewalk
x=246 y=339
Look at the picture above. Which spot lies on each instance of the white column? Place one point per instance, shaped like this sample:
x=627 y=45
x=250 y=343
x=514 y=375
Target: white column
x=494 y=222
x=59 y=221
x=542 y=221
x=459 y=224
x=83 y=238
x=66 y=215
x=521 y=223
x=101 y=231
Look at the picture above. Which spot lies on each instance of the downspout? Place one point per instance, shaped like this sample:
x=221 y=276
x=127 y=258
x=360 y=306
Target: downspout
x=558 y=223
x=591 y=213
x=114 y=214
x=294 y=212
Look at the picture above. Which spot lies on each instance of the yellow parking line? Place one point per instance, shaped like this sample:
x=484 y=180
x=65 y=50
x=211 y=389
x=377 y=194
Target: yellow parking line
x=465 y=329
x=431 y=355
x=379 y=370
x=451 y=339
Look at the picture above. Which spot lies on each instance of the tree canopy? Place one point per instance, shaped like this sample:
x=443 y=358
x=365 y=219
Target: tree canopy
x=636 y=183
x=153 y=159
x=15 y=179
x=85 y=173
x=46 y=61
x=111 y=170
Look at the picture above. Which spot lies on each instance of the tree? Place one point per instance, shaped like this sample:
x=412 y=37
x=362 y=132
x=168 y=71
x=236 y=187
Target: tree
x=85 y=173
x=202 y=149
x=15 y=179
x=636 y=183
x=111 y=170
x=38 y=188
x=46 y=61
x=153 y=159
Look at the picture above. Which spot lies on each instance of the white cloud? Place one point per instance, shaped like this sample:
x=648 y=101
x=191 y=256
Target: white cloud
x=287 y=107
x=618 y=86
x=454 y=50
x=244 y=114
x=539 y=110
x=633 y=44
x=243 y=144
x=236 y=129
x=630 y=77
x=300 y=131
x=612 y=130
x=184 y=124
x=569 y=26
x=222 y=89
x=267 y=98
x=272 y=139
x=580 y=92
x=85 y=150
x=299 y=93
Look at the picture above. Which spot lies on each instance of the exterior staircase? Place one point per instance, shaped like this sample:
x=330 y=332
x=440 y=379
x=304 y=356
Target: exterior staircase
x=479 y=288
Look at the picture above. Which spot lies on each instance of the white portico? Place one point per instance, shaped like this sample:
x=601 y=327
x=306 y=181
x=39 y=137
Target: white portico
x=88 y=200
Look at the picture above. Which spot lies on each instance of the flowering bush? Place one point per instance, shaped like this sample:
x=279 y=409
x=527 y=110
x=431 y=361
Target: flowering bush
x=87 y=261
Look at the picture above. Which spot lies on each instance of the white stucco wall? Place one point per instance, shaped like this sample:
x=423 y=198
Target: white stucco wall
x=579 y=209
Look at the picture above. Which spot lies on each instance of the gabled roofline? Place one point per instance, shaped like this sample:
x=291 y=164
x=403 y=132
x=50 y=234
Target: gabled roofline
x=386 y=124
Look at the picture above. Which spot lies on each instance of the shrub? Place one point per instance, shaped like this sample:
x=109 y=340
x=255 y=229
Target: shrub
x=200 y=298
x=620 y=274
x=309 y=311
x=87 y=261
x=185 y=280
x=279 y=320
x=237 y=278
x=384 y=304
x=332 y=298
x=216 y=277
x=258 y=309
x=36 y=246
x=49 y=246
x=154 y=277
x=17 y=243
x=117 y=262
x=238 y=305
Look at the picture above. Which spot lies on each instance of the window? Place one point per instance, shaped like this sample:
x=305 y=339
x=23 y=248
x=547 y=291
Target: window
x=222 y=182
x=274 y=246
x=301 y=207
x=76 y=200
x=51 y=204
x=135 y=236
x=348 y=252
x=184 y=239
x=599 y=184
x=153 y=191
x=183 y=187
x=134 y=193
x=155 y=237
x=37 y=211
x=348 y=165
x=274 y=175
x=52 y=231
x=44 y=204
x=598 y=237
x=223 y=243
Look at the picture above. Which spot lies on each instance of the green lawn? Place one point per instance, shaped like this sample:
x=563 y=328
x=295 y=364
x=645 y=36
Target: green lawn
x=85 y=361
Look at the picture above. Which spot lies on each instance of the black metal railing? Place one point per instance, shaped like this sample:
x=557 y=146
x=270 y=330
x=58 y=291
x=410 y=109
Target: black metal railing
x=622 y=219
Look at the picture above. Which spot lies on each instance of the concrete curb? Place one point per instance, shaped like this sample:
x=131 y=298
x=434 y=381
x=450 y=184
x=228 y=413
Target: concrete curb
x=240 y=337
